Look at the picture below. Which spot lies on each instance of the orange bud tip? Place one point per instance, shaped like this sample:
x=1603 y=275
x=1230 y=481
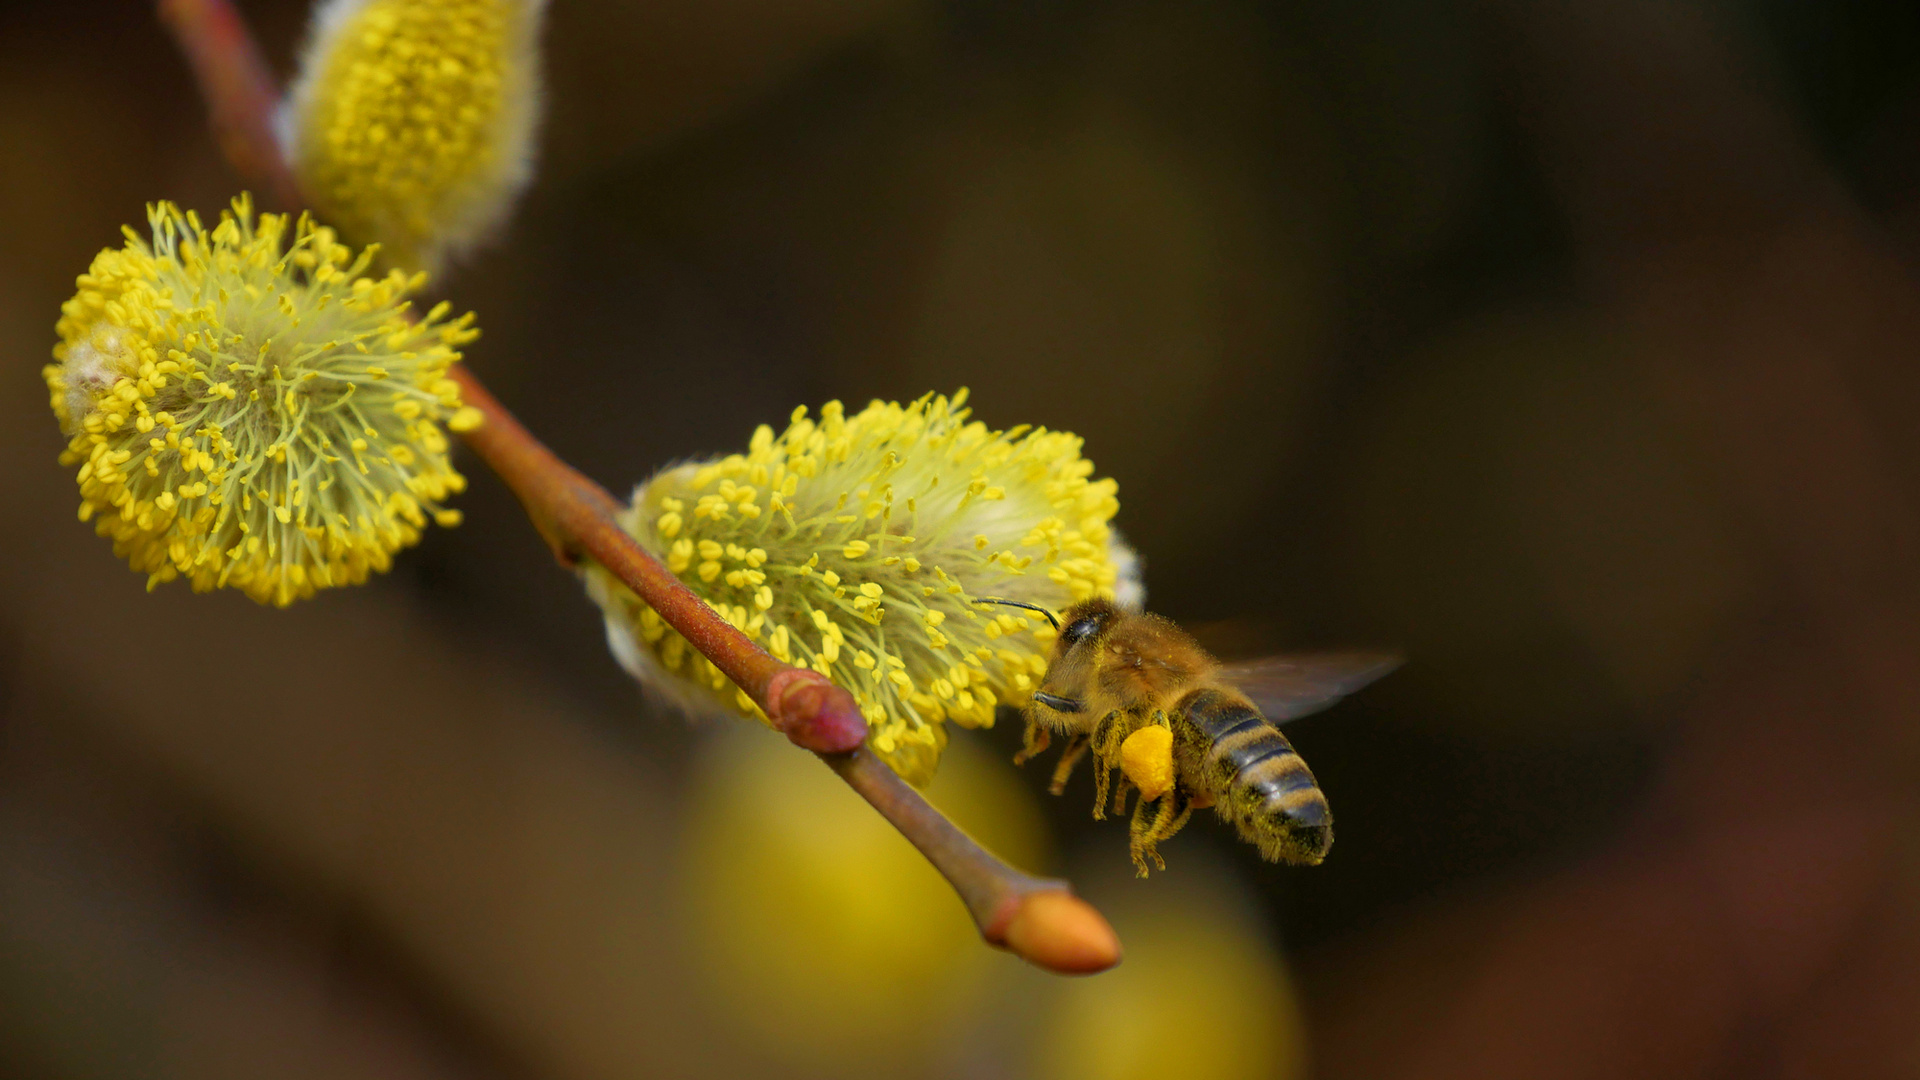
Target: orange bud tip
x=813 y=713
x=1056 y=930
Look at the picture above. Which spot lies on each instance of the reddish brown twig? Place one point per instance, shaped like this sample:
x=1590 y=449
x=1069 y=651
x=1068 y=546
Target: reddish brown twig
x=1037 y=919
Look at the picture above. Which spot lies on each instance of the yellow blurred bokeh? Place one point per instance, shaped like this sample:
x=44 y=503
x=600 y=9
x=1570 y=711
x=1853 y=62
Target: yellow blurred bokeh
x=811 y=918
x=1202 y=994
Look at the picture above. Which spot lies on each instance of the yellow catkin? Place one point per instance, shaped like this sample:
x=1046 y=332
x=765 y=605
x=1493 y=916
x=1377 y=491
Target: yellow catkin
x=412 y=121
x=852 y=545
x=249 y=409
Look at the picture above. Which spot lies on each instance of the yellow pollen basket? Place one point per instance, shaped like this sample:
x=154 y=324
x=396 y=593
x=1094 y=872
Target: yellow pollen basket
x=1146 y=757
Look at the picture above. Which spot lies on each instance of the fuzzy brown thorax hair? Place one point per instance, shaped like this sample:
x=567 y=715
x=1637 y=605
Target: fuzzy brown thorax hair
x=1108 y=659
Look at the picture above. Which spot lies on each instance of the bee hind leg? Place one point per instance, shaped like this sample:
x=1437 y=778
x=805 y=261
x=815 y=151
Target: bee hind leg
x=1169 y=815
x=1069 y=757
x=1185 y=807
x=1142 y=843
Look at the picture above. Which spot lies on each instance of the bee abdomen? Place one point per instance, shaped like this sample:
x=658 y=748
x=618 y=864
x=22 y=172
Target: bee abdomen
x=1242 y=748
x=1269 y=792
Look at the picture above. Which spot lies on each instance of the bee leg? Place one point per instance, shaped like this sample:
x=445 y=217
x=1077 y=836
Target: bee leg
x=1170 y=815
x=1177 y=821
x=1103 y=747
x=1120 y=792
x=1069 y=757
x=1037 y=739
x=1143 y=838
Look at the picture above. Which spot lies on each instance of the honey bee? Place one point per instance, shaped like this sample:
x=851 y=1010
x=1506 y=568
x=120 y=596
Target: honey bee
x=1183 y=730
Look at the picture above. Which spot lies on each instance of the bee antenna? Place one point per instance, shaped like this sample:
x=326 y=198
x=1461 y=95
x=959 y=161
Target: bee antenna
x=1018 y=604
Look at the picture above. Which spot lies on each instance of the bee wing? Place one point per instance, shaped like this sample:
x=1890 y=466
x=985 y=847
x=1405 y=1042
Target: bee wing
x=1288 y=687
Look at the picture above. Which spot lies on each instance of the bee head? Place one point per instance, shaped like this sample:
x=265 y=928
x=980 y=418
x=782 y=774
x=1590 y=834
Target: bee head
x=1071 y=673
x=1082 y=625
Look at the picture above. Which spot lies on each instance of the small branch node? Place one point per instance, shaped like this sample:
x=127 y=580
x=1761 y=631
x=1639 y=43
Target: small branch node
x=812 y=712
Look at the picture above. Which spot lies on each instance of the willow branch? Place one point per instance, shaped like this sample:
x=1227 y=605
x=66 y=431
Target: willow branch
x=1038 y=919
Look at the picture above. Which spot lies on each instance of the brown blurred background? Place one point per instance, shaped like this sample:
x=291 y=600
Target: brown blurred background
x=1568 y=347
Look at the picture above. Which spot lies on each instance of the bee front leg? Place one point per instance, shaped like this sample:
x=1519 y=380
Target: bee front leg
x=1069 y=757
x=1037 y=739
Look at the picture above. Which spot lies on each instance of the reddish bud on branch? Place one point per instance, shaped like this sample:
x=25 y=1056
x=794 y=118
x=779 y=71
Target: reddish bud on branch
x=807 y=708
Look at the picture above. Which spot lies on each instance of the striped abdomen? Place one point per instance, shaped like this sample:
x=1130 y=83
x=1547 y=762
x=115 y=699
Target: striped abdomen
x=1261 y=784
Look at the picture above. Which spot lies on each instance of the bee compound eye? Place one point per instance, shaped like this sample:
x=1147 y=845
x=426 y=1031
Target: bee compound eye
x=1078 y=630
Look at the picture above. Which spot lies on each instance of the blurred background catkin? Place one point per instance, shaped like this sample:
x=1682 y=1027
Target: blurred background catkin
x=1569 y=348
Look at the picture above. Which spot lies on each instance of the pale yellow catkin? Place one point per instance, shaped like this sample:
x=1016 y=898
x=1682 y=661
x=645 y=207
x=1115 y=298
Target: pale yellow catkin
x=412 y=122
